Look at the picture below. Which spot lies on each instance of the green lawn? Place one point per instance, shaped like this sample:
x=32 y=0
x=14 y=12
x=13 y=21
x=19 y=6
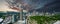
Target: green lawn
x=45 y=19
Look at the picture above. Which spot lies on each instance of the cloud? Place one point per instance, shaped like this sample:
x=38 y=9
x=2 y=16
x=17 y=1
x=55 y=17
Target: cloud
x=4 y=7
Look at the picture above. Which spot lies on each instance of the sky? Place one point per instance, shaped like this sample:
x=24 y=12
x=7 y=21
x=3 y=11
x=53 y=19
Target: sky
x=1 y=2
x=36 y=4
x=53 y=6
x=30 y=4
x=4 y=6
x=33 y=4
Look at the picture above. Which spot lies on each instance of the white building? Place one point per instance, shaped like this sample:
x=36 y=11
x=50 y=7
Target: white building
x=57 y=22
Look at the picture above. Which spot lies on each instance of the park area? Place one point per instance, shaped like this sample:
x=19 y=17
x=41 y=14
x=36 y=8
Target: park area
x=44 y=19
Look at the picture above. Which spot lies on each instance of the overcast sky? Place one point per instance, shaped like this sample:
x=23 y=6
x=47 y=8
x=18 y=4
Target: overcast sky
x=2 y=3
x=4 y=6
x=35 y=4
